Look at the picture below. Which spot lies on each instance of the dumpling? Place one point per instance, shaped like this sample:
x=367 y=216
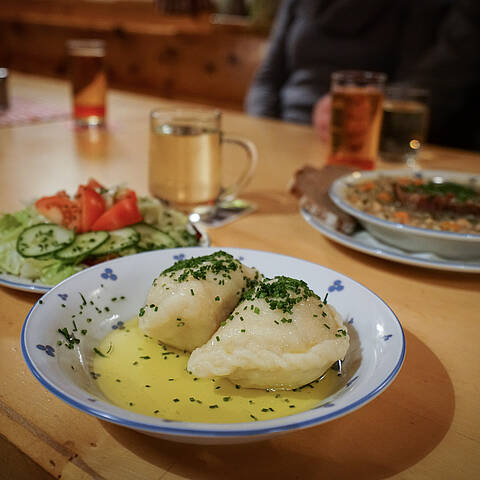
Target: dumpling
x=281 y=336
x=187 y=301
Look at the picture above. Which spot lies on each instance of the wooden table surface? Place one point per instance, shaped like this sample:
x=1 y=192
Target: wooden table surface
x=425 y=425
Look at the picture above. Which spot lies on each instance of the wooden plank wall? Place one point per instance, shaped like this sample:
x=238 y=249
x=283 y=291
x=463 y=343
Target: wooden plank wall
x=184 y=58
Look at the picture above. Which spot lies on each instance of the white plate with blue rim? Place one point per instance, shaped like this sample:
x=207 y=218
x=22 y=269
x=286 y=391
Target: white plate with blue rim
x=362 y=241
x=375 y=356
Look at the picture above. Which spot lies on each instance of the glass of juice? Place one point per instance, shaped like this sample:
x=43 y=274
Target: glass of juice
x=356 y=117
x=405 y=123
x=88 y=80
x=185 y=160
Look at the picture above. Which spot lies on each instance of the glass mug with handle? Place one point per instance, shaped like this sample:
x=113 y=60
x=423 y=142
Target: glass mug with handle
x=185 y=162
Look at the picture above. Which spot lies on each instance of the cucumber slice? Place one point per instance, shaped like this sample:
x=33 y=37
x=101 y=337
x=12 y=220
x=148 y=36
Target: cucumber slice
x=152 y=238
x=184 y=238
x=42 y=239
x=119 y=239
x=82 y=245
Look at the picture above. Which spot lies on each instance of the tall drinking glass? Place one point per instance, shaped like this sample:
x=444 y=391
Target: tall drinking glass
x=185 y=164
x=356 y=117
x=89 y=81
x=405 y=122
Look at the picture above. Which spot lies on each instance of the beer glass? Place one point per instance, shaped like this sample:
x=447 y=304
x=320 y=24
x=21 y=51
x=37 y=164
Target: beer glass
x=185 y=163
x=88 y=80
x=4 y=104
x=356 y=117
x=404 y=125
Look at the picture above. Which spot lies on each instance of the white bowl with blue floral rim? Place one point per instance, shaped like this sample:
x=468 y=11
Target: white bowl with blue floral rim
x=450 y=245
x=100 y=298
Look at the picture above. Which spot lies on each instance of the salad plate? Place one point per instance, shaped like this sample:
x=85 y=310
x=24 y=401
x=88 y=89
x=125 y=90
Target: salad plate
x=67 y=372
x=23 y=284
x=17 y=282
x=57 y=236
x=362 y=241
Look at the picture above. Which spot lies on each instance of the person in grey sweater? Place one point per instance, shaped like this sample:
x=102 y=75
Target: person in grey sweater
x=429 y=43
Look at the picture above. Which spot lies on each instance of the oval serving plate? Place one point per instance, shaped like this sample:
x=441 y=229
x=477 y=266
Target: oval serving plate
x=362 y=241
x=378 y=356
x=448 y=245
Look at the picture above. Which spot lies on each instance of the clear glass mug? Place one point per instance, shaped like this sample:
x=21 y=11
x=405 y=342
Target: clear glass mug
x=185 y=160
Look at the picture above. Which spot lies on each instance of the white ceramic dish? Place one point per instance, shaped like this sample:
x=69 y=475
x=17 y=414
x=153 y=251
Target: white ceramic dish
x=27 y=285
x=450 y=245
x=21 y=283
x=380 y=344
x=362 y=241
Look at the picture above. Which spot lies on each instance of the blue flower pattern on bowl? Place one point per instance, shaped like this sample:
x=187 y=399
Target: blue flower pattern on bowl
x=48 y=349
x=337 y=285
x=63 y=296
x=108 y=274
x=120 y=325
x=387 y=337
x=180 y=256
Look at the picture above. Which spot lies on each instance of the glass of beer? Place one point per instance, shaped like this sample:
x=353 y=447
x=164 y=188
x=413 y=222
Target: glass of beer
x=185 y=163
x=88 y=80
x=356 y=117
x=405 y=122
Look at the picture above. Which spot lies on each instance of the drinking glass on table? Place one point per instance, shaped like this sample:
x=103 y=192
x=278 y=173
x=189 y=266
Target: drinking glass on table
x=356 y=117
x=89 y=81
x=185 y=163
x=4 y=89
x=405 y=122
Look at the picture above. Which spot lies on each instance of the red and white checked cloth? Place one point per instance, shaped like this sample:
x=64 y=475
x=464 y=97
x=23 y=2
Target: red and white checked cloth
x=24 y=112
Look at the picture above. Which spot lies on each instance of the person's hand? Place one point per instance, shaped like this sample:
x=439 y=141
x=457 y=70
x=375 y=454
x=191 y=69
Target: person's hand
x=321 y=116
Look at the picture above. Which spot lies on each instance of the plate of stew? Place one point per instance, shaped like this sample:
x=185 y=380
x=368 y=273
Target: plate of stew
x=418 y=211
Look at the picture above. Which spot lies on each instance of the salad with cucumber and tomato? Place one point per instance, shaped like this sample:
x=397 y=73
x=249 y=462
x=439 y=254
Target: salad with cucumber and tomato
x=60 y=235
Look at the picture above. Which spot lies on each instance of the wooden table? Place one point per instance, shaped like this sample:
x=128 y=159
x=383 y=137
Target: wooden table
x=426 y=425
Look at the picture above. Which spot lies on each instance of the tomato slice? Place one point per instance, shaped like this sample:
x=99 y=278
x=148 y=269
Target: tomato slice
x=123 y=213
x=94 y=185
x=60 y=209
x=125 y=193
x=92 y=206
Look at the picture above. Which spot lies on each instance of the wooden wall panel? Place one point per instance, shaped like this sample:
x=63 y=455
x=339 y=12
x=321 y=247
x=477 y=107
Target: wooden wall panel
x=210 y=64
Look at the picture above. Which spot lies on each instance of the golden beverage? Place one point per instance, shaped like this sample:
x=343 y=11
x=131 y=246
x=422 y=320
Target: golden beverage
x=144 y=376
x=403 y=129
x=89 y=81
x=185 y=165
x=355 y=126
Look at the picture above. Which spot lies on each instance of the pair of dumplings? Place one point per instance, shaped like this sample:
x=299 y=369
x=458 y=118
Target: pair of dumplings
x=259 y=333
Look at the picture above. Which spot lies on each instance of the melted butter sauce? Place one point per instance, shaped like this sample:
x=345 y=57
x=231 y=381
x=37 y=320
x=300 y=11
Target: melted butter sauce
x=145 y=376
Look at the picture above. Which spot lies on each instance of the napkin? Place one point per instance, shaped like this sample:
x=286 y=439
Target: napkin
x=23 y=112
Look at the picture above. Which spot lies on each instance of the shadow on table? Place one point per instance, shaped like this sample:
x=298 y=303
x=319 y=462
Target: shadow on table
x=385 y=437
